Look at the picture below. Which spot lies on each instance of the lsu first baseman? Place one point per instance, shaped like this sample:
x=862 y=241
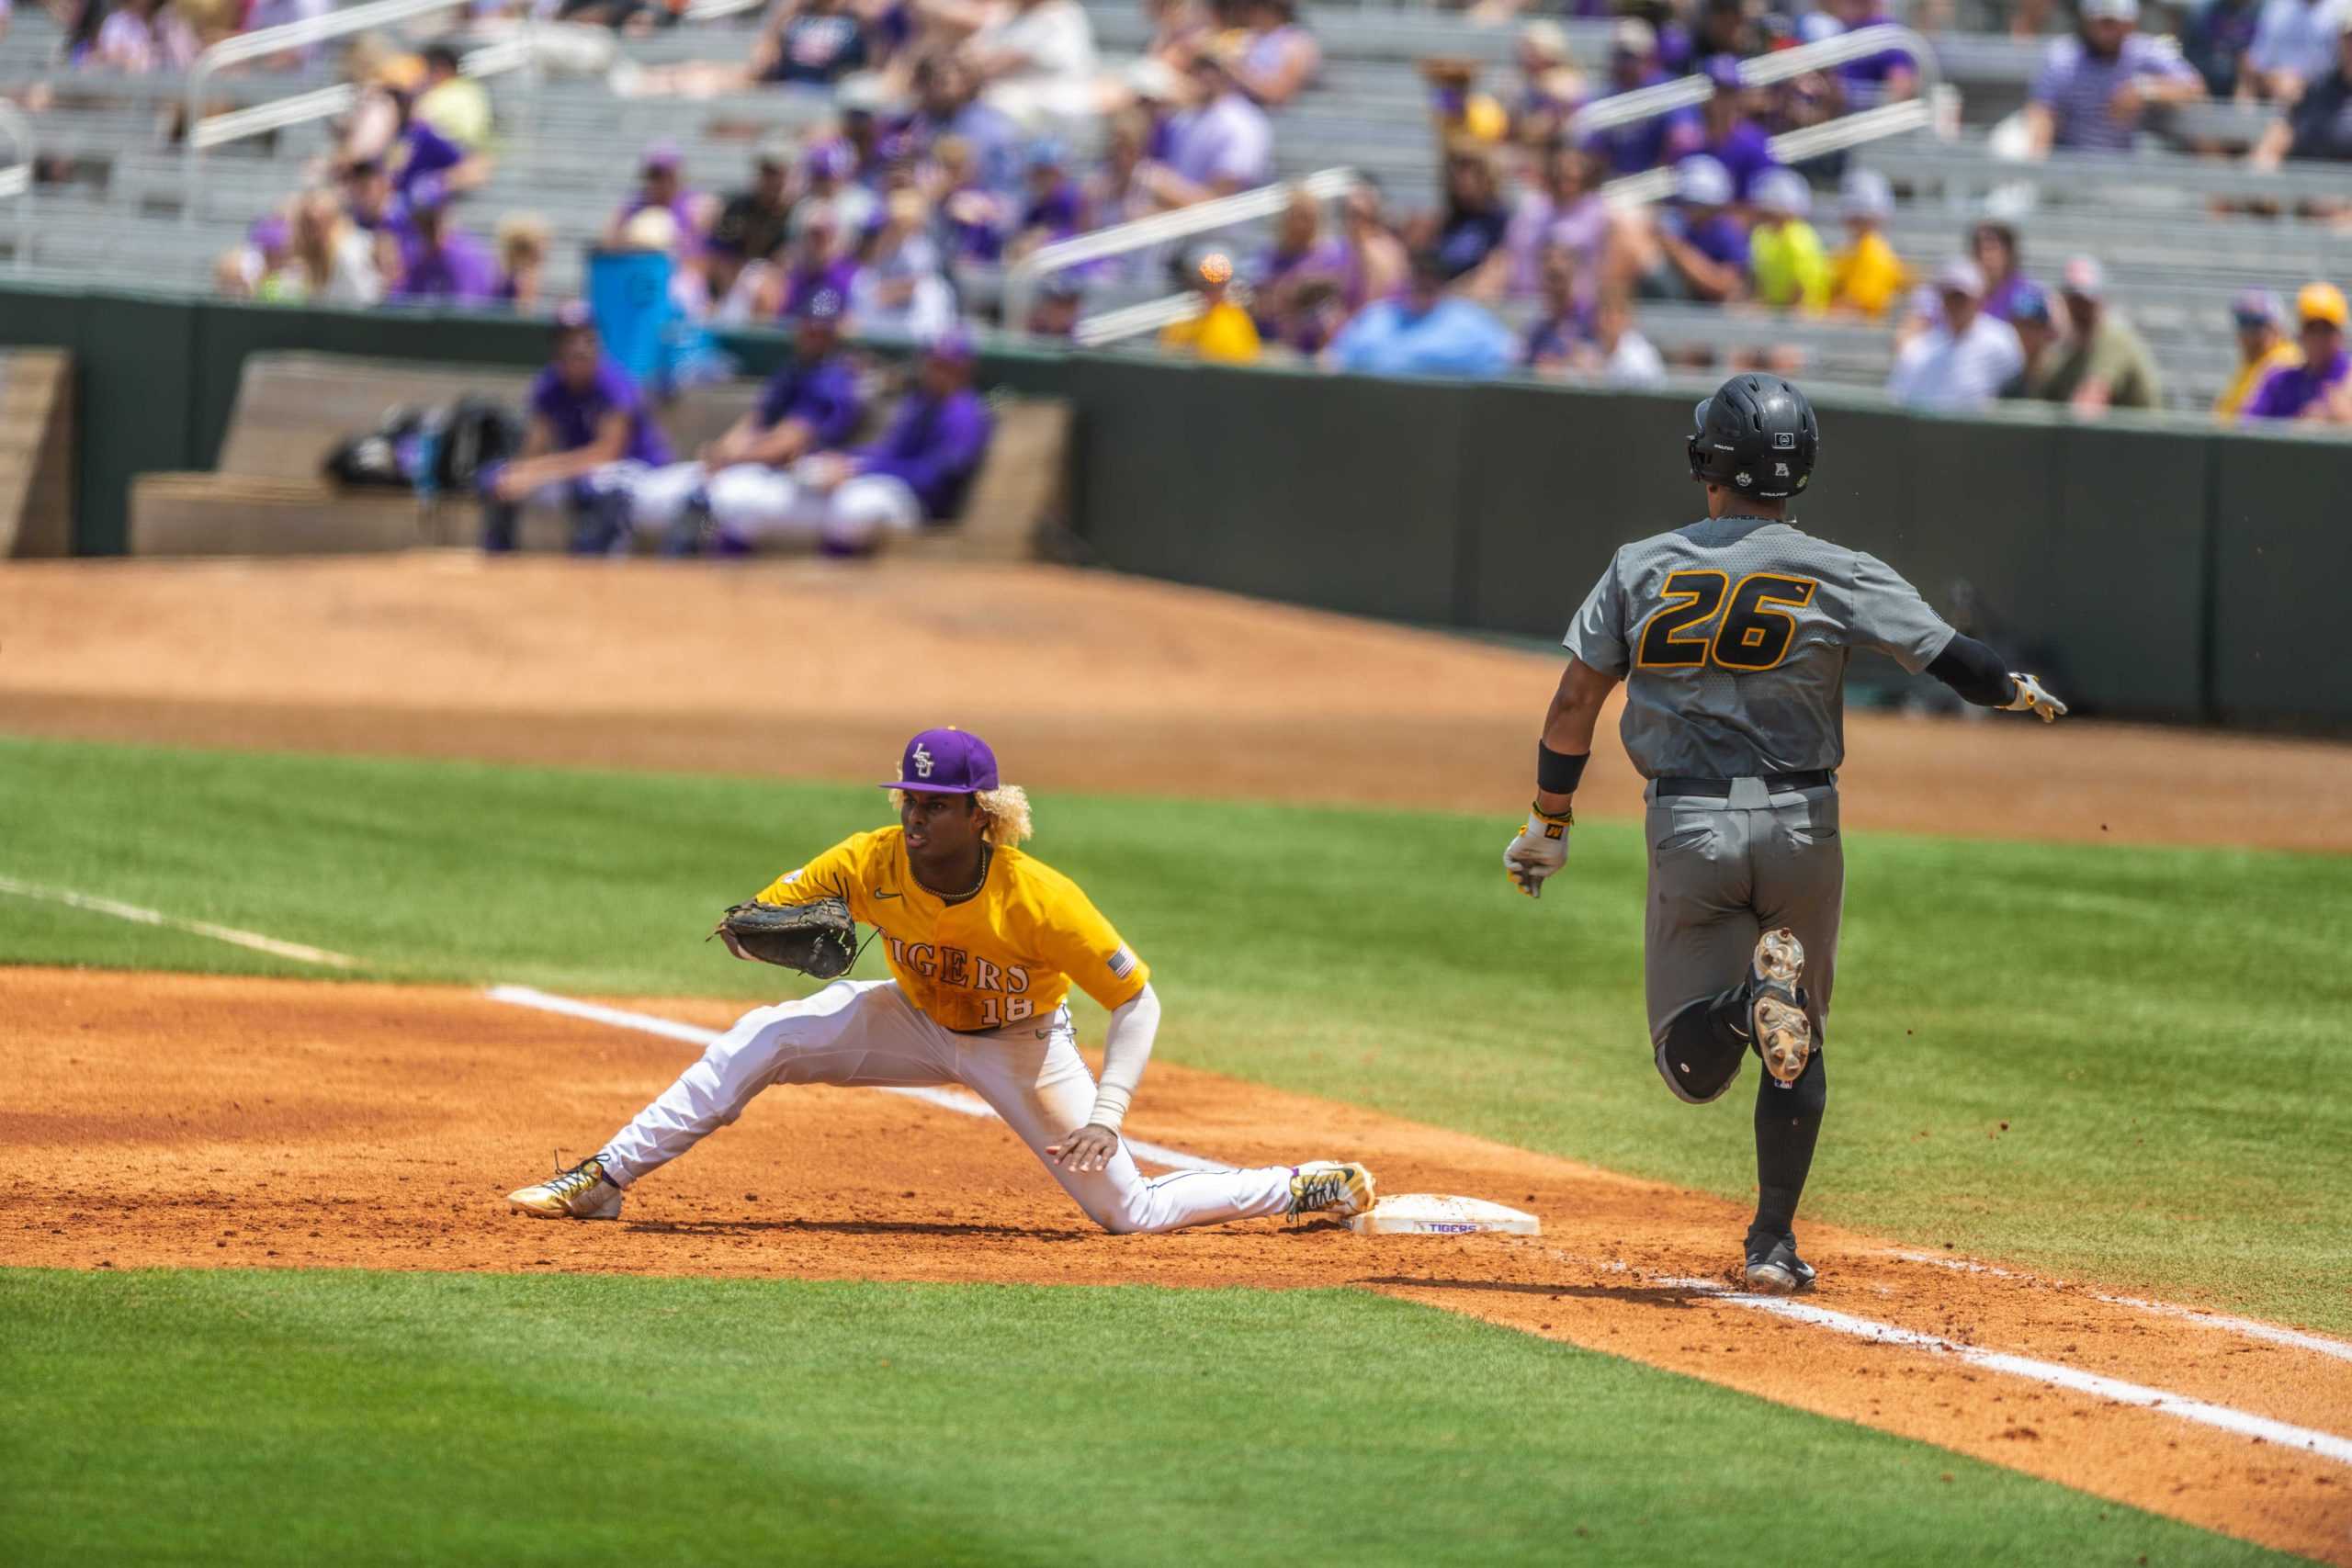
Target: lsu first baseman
x=983 y=943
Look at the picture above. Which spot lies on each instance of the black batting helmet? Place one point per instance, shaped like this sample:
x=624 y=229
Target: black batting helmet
x=1756 y=436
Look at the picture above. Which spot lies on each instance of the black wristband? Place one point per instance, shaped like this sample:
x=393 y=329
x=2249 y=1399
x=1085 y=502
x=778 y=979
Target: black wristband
x=1558 y=773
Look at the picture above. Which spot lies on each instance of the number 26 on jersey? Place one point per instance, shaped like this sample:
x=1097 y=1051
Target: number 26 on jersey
x=1754 y=632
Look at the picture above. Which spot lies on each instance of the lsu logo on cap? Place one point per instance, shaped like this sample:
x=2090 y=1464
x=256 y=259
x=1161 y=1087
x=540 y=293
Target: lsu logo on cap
x=922 y=764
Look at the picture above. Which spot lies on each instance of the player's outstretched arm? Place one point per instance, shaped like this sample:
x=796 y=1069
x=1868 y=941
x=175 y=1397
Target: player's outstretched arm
x=1974 y=671
x=1126 y=1047
x=1542 y=847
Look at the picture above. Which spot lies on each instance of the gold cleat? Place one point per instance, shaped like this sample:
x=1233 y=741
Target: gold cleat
x=583 y=1192
x=1778 y=1022
x=1329 y=1187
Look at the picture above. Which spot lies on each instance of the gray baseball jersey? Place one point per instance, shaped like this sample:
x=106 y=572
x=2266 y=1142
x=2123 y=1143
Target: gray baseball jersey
x=1732 y=637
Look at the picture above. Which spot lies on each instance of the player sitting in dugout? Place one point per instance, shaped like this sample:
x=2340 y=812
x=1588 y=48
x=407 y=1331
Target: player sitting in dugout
x=813 y=404
x=846 y=502
x=588 y=439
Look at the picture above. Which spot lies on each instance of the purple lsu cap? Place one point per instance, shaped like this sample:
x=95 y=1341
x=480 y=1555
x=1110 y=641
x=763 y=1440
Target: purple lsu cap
x=946 y=762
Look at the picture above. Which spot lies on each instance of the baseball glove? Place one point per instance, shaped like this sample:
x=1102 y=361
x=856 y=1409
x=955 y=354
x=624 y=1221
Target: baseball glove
x=818 y=938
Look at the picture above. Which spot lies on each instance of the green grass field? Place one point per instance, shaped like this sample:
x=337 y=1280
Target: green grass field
x=2160 y=1030
x=2156 y=1027
x=415 y=1418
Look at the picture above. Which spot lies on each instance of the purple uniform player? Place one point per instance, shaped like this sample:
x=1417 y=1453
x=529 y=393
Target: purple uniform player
x=590 y=435
x=846 y=502
x=811 y=405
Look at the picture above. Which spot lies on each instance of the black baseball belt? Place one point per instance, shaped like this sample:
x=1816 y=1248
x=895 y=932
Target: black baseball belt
x=1720 y=789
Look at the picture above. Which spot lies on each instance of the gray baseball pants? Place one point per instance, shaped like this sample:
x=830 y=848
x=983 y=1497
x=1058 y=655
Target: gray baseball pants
x=1722 y=873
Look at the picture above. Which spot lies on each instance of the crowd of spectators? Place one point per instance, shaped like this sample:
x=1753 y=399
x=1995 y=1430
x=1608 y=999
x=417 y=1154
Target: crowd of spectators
x=1988 y=333
x=963 y=135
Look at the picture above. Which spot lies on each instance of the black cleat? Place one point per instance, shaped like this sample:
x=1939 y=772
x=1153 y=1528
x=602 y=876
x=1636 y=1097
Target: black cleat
x=1774 y=1267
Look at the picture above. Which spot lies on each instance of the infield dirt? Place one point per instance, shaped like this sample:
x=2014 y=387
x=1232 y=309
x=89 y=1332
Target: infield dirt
x=177 y=1121
x=1081 y=680
x=171 y=1121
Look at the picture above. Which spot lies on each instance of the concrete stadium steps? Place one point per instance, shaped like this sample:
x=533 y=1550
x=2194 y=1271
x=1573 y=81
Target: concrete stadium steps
x=36 y=453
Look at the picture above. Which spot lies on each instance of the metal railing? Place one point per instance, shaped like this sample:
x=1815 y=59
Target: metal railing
x=1935 y=105
x=1932 y=103
x=16 y=177
x=2090 y=180
x=516 y=54
x=519 y=52
x=1021 y=279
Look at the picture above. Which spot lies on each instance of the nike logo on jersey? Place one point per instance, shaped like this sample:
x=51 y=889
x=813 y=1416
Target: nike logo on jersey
x=879 y=894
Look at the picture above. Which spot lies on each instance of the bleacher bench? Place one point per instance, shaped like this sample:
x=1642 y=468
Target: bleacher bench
x=268 y=496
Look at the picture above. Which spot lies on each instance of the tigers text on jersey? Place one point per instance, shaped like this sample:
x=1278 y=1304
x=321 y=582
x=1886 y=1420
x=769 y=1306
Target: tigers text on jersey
x=1008 y=954
x=1732 y=636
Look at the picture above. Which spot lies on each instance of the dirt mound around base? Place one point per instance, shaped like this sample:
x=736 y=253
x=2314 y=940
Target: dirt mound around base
x=1082 y=680
x=178 y=1121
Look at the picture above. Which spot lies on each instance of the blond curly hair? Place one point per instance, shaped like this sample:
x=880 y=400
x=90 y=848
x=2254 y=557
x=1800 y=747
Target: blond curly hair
x=1005 y=806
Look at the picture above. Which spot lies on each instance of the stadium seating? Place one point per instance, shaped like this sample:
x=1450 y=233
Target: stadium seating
x=131 y=215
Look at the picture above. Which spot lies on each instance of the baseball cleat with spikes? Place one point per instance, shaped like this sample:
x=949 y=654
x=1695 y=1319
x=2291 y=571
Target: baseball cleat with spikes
x=1774 y=1267
x=1778 y=1023
x=1329 y=1187
x=582 y=1192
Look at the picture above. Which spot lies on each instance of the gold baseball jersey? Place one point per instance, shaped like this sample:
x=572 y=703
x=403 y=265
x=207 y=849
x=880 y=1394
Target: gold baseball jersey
x=1009 y=953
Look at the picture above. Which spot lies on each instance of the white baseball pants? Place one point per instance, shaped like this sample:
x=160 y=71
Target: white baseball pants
x=657 y=497
x=866 y=1033
x=755 y=502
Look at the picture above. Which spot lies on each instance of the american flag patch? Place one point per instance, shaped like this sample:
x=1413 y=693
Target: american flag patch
x=1122 y=963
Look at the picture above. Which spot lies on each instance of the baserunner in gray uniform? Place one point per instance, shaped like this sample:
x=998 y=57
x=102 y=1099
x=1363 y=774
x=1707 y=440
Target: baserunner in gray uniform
x=1732 y=636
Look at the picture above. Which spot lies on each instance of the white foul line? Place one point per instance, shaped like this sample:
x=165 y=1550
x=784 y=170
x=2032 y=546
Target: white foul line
x=2326 y=1445
x=254 y=939
x=957 y=1100
x=2250 y=1327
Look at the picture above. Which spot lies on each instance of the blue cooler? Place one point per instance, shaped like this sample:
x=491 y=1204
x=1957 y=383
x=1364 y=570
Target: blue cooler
x=629 y=292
